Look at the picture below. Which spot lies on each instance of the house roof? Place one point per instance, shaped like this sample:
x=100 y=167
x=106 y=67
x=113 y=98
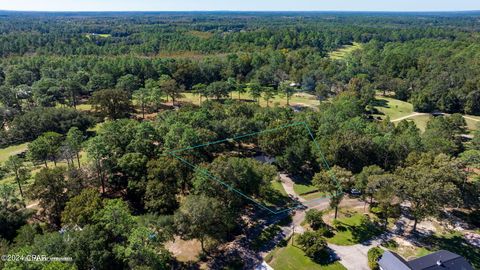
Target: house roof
x=392 y=261
x=440 y=260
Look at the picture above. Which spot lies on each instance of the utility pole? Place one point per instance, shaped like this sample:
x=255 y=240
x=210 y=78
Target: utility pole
x=293 y=233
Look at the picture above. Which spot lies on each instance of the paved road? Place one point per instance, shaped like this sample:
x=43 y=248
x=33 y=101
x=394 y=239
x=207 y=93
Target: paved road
x=417 y=114
x=352 y=257
x=408 y=116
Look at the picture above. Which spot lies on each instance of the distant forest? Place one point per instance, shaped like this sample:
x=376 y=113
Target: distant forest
x=49 y=59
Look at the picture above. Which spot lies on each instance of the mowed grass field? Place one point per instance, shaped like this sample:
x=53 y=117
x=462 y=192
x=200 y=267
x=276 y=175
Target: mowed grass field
x=293 y=258
x=344 y=51
x=398 y=110
x=392 y=108
x=5 y=153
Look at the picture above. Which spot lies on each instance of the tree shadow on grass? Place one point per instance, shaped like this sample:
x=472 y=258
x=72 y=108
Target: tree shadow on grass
x=275 y=197
x=380 y=103
x=362 y=233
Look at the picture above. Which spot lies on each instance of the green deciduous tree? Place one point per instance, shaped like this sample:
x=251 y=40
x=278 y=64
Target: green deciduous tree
x=49 y=187
x=314 y=245
x=128 y=83
x=364 y=177
x=46 y=147
x=201 y=217
x=170 y=87
x=218 y=89
x=115 y=218
x=112 y=103
x=429 y=184
x=442 y=134
x=314 y=218
x=80 y=209
x=333 y=182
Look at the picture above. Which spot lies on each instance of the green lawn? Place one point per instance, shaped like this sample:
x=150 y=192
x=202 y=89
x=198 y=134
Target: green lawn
x=471 y=123
x=421 y=121
x=302 y=189
x=396 y=109
x=278 y=186
x=293 y=258
x=314 y=195
x=393 y=108
x=5 y=153
x=344 y=51
x=352 y=229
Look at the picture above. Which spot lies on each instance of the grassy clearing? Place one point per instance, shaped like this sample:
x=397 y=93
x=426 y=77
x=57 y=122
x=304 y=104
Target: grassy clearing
x=344 y=51
x=396 y=109
x=293 y=258
x=353 y=228
x=90 y=35
x=5 y=153
x=473 y=122
x=393 y=108
x=421 y=121
x=302 y=99
x=184 y=250
x=84 y=107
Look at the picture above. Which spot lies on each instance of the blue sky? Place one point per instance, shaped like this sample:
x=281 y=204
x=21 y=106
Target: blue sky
x=289 y=5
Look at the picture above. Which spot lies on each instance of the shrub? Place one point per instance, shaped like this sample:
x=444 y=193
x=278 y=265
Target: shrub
x=374 y=255
x=314 y=218
x=390 y=244
x=314 y=246
x=325 y=232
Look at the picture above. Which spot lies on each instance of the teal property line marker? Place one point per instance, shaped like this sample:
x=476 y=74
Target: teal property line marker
x=238 y=192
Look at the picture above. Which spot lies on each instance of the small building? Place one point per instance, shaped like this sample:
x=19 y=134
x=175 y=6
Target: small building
x=440 y=260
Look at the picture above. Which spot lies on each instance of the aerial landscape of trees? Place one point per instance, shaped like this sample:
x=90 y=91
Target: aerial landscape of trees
x=100 y=103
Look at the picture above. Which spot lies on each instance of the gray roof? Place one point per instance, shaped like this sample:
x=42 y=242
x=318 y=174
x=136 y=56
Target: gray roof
x=446 y=259
x=392 y=261
x=440 y=260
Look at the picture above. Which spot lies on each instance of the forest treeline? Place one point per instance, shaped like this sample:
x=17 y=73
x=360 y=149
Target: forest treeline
x=50 y=60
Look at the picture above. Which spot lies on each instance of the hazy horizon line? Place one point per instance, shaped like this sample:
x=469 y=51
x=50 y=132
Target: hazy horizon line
x=259 y=11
